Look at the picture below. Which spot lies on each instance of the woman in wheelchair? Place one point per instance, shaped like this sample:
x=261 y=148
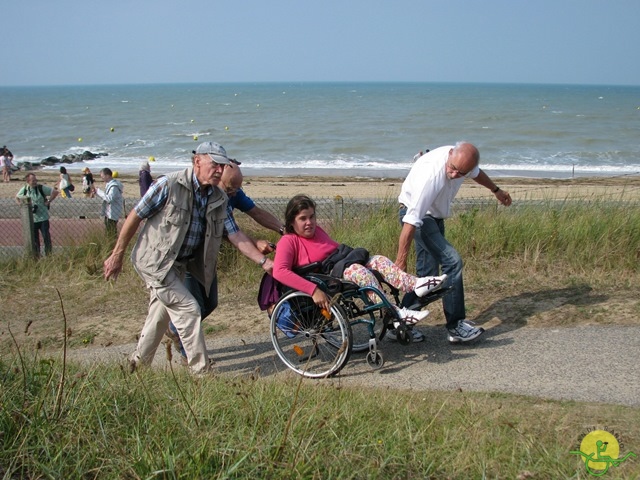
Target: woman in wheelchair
x=305 y=242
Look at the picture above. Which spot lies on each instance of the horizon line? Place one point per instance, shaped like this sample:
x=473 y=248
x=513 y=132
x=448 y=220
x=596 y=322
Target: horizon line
x=324 y=82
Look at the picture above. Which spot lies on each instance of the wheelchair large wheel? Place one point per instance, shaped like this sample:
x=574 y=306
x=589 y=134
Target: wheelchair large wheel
x=305 y=340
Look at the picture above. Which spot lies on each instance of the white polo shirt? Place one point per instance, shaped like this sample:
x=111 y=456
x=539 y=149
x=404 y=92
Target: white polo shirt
x=427 y=190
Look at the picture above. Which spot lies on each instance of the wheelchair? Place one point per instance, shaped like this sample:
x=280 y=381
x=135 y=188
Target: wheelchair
x=316 y=343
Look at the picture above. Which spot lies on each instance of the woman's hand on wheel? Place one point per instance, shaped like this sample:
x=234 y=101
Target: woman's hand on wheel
x=321 y=299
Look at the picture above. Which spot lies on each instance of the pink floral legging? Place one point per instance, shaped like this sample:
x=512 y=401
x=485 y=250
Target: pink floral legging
x=362 y=275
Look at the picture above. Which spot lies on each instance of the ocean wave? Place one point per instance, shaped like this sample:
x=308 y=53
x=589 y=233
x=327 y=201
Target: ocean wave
x=363 y=166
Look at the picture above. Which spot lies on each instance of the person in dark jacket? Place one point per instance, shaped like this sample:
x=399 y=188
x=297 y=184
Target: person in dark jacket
x=145 y=179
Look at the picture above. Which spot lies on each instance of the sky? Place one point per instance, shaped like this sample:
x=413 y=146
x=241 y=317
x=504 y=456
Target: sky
x=89 y=42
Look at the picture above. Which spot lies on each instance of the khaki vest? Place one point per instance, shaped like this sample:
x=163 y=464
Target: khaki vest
x=162 y=235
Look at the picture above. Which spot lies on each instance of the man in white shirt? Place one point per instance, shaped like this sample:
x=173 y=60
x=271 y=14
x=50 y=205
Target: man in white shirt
x=425 y=198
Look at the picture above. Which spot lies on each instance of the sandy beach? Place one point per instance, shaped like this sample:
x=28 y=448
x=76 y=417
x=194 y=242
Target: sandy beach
x=594 y=188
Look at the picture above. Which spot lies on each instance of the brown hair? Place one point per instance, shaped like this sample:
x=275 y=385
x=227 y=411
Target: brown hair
x=294 y=207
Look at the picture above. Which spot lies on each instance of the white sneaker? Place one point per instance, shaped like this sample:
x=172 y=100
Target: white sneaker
x=464 y=332
x=425 y=285
x=416 y=335
x=412 y=317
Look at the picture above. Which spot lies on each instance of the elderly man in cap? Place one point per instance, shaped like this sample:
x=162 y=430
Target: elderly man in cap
x=255 y=250
x=185 y=213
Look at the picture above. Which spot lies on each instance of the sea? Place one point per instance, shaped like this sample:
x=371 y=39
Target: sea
x=330 y=129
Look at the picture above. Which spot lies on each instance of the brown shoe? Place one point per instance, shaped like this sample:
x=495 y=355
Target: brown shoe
x=133 y=365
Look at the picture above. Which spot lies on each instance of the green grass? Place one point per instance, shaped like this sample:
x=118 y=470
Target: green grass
x=106 y=423
x=583 y=237
x=96 y=421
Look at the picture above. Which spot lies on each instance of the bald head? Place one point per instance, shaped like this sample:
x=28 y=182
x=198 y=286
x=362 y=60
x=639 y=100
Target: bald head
x=463 y=158
x=231 y=180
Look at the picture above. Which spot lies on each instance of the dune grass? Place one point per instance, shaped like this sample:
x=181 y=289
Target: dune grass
x=109 y=424
x=60 y=420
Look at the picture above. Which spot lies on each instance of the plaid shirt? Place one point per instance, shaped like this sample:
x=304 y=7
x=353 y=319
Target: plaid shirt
x=230 y=225
x=156 y=198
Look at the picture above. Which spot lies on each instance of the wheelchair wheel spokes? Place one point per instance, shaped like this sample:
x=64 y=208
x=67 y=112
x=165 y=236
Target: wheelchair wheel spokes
x=305 y=340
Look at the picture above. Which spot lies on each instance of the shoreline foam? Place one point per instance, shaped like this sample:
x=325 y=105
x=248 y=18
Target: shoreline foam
x=321 y=186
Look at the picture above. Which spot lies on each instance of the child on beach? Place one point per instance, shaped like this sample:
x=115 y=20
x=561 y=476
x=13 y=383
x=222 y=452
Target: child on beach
x=88 y=188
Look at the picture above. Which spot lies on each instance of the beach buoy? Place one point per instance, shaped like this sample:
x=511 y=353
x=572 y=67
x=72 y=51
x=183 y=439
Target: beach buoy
x=112 y=129
x=195 y=137
x=192 y=120
x=115 y=174
x=226 y=128
x=152 y=159
x=80 y=139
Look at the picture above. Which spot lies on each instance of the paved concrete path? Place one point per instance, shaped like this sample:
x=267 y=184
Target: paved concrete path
x=587 y=363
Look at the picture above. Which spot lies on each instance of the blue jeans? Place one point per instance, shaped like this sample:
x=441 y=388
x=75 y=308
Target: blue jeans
x=432 y=252
x=42 y=228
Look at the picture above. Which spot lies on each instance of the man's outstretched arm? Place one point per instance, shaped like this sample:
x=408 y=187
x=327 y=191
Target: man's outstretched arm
x=404 y=244
x=266 y=219
x=503 y=197
x=113 y=265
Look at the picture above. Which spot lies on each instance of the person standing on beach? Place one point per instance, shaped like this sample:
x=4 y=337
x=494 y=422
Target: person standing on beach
x=88 y=188
x=144 y=178
x=425 y=202
x=231 y=183
x=6 y=163
x=65 y=185
x=3 y=166
x=184 y=214
x=112 y=201
x=41 y=197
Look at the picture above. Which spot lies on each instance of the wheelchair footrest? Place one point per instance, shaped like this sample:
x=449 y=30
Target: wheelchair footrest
x=430 y=297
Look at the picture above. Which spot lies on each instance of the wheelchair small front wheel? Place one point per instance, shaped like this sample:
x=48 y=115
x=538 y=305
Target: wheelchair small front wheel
x=309 y=342
x=375 y=360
